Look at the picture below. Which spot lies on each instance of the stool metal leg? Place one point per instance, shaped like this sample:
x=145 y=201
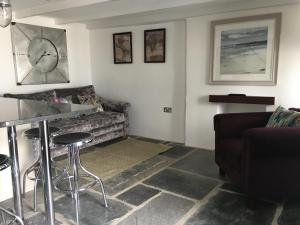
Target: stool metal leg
x=70 y=158
x=35 y=189
x=75 y=151
x=46 y=162
x=98 y=180
x=30 y=169
x=15 y=170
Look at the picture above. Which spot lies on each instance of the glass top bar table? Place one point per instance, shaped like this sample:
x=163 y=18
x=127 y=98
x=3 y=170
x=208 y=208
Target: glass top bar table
x=16 y=112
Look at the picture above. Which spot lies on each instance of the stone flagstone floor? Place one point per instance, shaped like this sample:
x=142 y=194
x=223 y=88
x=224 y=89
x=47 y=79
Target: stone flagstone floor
x=178 y=187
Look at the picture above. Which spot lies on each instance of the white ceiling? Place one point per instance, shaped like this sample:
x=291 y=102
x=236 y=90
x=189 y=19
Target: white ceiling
x=111 y=13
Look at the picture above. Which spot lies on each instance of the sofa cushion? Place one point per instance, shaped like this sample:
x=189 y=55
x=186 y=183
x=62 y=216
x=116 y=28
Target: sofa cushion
x=86 y=90
x=89 y=122
x=284 y=118
x=91 y=100
x=44 y=96
x=67 y=99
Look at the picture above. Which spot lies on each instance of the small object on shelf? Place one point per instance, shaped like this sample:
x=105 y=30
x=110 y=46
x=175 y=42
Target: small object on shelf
x=242 y=95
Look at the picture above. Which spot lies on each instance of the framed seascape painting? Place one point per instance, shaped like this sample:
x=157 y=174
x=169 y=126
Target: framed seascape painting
x=244 y=51
x=155 y=46
x=122 y=48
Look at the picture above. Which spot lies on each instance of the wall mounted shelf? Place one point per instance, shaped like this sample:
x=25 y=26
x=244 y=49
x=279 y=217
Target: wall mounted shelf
x=242 y=99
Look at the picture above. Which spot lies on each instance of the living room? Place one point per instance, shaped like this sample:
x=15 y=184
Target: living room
x=182 y=83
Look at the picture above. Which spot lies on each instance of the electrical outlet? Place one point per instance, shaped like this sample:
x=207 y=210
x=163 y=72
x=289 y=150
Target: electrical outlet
x=167 y=109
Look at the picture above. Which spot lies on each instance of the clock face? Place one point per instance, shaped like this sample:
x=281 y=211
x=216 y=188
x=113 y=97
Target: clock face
x=42 y=55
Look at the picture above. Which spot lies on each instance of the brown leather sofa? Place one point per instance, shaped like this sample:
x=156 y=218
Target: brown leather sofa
x=261 y=161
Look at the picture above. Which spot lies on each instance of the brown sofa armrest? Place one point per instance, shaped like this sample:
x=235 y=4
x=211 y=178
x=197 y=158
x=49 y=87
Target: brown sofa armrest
x=232 y=125
x=272 y=142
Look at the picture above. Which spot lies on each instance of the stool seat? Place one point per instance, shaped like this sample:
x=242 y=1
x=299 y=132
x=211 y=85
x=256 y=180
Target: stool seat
x=77 y=138
x=34 y=133
x=4 y=162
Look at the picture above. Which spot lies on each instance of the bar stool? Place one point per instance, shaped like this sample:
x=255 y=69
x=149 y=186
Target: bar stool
x=74 y=141
x=34 y=135
x=4 y=164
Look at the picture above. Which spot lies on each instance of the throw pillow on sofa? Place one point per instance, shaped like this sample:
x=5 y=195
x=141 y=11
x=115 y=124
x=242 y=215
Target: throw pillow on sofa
x=91 y=100
x=284 y=118
x=57 y=99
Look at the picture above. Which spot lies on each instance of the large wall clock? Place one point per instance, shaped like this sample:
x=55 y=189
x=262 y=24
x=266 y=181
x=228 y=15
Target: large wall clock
x=40 y=54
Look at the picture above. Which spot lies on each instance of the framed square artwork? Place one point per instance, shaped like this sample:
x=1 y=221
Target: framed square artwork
x=244 y=51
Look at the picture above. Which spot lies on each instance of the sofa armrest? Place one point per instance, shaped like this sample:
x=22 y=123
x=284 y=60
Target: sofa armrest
x=272 y=142
x=114 y=106
x=232 y=125
x=118 y=106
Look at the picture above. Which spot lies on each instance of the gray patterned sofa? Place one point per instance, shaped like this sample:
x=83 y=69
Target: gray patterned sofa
x=106 y=125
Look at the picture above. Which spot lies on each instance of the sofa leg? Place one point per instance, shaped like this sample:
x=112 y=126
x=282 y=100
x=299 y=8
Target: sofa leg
x=221 y=172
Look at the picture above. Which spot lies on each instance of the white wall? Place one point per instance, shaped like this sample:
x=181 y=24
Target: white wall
x=80 y=74
x=148 y=87
x=199 y=113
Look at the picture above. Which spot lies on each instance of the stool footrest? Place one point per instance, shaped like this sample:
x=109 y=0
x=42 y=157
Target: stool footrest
x=12 y=214
x=82 y=188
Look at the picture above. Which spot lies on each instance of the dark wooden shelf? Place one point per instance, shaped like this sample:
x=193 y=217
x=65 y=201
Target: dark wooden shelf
x=259 y=100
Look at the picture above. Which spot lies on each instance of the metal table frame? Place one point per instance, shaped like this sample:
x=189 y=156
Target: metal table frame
x=11 y=123
x=46 y=162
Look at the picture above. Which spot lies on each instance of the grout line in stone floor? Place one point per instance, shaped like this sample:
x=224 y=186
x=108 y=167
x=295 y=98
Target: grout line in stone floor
x=126 y=203
x=278 y=212
x=172 y=193
x=199 y=204
x=196 y=174
x=149 y=168
x=120 y=219
x=60 y=218
x=231 y=192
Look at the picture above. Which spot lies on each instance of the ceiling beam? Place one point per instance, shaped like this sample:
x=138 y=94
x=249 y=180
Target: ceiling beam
x=54 y=7
x=181 y=13
x=121 y=8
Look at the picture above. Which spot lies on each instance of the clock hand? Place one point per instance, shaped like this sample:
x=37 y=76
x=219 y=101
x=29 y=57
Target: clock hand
x=39 y=59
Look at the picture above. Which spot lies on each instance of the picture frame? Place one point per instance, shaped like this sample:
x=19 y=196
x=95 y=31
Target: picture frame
x=244 y=51
x=122 y=47
x=155 y=46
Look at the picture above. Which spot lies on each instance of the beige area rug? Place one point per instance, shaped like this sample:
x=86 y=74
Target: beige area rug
x=111 y=160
